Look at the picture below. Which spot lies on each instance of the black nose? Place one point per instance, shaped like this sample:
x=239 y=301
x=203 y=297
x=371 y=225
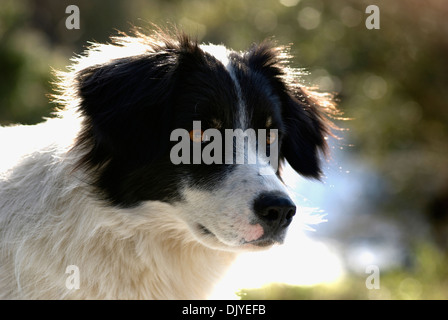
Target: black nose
x=275 y=209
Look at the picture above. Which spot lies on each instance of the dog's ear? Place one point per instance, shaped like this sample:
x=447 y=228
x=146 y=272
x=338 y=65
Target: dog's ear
x=127 y=105
x=306 y=128
x=304 y=112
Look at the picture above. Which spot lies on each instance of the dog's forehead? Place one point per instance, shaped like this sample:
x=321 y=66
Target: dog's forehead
x=222 y=54
x=255 y=104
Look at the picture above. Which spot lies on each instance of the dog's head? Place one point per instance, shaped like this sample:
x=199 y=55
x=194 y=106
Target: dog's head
x=155 y=107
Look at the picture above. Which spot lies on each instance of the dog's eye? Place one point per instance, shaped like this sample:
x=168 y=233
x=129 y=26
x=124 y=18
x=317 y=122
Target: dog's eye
x=197 y=135
x=271 y=138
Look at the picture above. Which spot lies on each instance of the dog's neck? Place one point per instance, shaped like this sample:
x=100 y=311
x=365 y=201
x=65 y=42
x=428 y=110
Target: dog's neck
x=154 y=256
x=173 y=264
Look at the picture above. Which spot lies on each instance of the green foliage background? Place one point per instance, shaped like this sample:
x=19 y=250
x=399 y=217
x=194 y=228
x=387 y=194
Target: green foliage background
x=392 y=83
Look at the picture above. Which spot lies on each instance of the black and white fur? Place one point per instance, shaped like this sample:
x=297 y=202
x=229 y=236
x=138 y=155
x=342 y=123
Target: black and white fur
x=94 y=186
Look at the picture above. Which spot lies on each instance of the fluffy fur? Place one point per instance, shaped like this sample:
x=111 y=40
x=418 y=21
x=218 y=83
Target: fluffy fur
x=93 y=186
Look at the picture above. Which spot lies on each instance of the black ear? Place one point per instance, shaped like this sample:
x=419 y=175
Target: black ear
x=304 y=112
x=126 y=105
x=306 y=129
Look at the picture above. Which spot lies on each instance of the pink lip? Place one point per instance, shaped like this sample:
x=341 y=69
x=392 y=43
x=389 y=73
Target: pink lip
x=254 y=232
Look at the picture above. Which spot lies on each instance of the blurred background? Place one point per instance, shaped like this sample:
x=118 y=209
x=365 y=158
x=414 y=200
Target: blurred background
x=385 y=195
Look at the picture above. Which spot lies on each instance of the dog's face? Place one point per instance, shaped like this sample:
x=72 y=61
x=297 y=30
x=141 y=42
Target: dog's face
x=132 y=105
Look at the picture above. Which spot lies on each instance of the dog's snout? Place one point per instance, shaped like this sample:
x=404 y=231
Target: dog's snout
x=275 y=210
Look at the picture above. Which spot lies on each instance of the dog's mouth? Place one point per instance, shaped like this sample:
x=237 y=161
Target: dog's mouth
x=261 y=243
x=203 y=230
x=209 y=238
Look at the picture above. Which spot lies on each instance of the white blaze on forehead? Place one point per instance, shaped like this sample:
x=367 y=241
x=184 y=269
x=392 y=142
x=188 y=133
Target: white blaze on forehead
x=221 y=53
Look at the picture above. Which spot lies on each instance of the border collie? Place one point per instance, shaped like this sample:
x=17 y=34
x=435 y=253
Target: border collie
x=92 y=205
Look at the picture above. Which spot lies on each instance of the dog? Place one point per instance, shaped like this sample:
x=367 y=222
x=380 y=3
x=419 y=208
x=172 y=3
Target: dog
x=92 y=205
